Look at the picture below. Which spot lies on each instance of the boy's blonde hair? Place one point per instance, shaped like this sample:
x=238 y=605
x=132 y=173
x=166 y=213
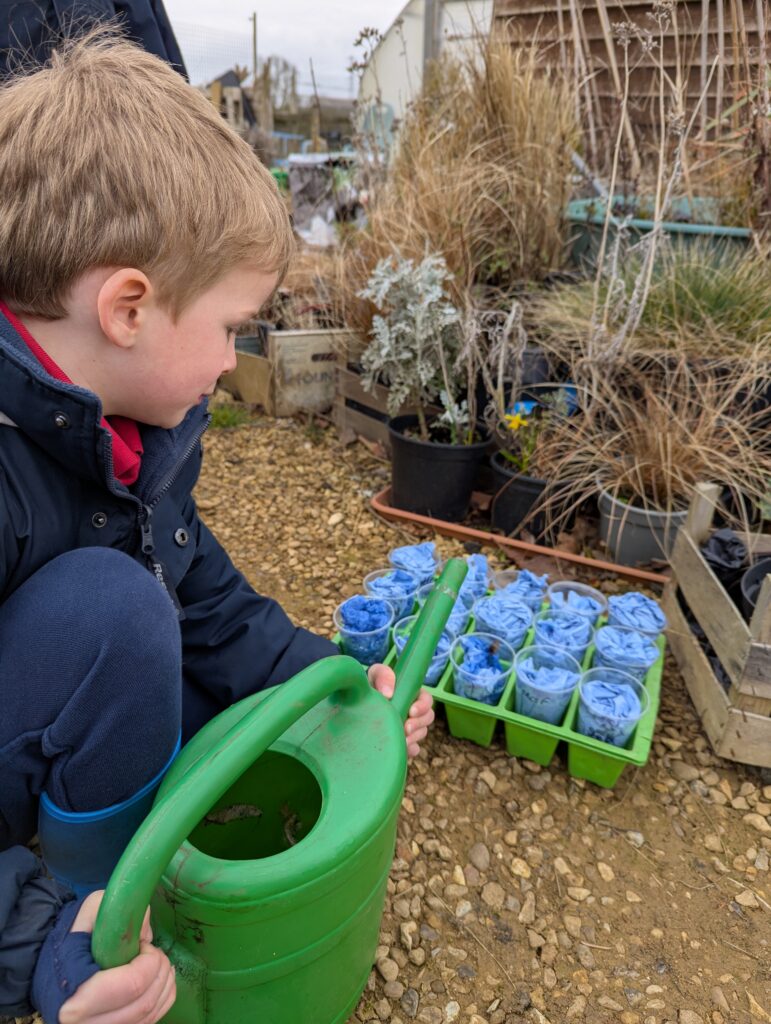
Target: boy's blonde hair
x=109 y=158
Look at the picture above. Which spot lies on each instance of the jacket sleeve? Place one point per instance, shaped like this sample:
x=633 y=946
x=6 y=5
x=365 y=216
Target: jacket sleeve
x=29 y=906
x=235 y=642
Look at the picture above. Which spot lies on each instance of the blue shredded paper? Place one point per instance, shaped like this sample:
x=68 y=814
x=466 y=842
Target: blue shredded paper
x=482 y=674
x=398 y=587
x=504 y=616
x=636 y=611
x=608 y=711
x=528 y=587
x=625 y=649
x=364 y=628
x=543 y=690
x=572 y=601
x=417 y=559
x=567 y=630
x=476 y=581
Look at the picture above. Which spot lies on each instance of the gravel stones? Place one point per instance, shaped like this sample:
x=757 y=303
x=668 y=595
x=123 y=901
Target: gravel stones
x=757 y=821
x=684 y=772
x=493 y=895
x=479 y=856
x=388 y=969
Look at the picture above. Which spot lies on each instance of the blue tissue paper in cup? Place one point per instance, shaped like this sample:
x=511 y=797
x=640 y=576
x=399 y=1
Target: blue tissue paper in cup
x=503 y=616
x=417 y=559
x=395 y=585
x=481 y=664
x=625 y=649
x=459 y=616
x=610 y=704
x=364 y=624
x=569 y=631
x=569 y=596
x=636 y=611
x=475 y=584
x=546 y=679
x=402 y=630
x=523 y=584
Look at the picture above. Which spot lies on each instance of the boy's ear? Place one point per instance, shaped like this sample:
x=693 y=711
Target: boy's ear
x=123 y=305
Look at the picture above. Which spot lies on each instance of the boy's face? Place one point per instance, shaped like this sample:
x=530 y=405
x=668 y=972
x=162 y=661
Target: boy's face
x=176 y=364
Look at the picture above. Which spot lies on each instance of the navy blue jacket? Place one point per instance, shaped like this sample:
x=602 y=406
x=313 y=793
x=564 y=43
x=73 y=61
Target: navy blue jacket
x=58 y=493
x=29 y=28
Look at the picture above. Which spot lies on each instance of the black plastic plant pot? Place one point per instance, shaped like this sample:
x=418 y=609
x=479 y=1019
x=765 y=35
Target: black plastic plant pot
x=752 y=581
x=514 y=496
x=432 y=479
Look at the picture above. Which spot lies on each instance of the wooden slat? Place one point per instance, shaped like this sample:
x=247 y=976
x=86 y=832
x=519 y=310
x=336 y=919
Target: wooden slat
x=708 y=696
x=755 y=680
x=747 y=738
x=352 y=423
x=701 y=511
x=760 y=624
x=715 y=612
x=757 y=705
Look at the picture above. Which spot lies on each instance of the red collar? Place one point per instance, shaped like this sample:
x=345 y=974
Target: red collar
x=127 y=446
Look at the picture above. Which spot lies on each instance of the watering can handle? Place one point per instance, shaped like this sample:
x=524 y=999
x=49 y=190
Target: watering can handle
x=116 y=932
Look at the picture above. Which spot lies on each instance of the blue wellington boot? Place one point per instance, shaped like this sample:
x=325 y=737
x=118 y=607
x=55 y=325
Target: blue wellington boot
x=82 y=848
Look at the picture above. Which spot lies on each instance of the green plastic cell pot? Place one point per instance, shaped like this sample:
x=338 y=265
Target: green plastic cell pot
x=267 y=852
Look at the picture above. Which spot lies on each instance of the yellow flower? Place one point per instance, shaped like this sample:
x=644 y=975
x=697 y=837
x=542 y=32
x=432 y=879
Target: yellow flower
x=515 y=421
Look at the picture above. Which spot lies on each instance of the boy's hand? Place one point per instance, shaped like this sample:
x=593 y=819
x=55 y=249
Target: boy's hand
x=421 y=713
x=141 y=992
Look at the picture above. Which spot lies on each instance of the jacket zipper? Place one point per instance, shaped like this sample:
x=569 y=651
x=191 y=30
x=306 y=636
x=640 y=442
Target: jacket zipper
x=144 y=522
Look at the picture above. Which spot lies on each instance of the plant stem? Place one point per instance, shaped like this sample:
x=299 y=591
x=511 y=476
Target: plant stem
x=422 y=424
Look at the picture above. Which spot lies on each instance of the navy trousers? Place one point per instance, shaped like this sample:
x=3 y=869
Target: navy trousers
x=91 y=688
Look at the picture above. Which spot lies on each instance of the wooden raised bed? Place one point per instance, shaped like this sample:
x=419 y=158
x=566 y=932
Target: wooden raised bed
x=360 y=413
x=737 y=722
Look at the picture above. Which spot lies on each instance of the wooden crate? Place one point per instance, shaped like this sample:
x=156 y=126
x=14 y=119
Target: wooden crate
x=288 y=371
x=738 y=722
x=360 y=413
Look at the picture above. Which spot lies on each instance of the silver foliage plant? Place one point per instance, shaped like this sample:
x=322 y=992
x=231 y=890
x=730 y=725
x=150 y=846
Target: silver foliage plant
x=415 y=340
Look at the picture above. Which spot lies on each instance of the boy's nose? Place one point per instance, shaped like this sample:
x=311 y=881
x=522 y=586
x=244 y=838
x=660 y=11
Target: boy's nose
x=230 y=361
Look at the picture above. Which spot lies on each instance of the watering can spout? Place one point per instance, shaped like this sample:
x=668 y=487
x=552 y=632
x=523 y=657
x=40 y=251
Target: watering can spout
x=411 y=666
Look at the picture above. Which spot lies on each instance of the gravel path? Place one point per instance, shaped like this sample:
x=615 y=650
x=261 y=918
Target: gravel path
x=517 y=893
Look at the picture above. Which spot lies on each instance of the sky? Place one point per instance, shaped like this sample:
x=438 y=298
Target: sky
x=216 y=34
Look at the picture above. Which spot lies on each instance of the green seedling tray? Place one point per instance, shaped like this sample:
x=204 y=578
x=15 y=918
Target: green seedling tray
x=587 y=758
x=590 y=759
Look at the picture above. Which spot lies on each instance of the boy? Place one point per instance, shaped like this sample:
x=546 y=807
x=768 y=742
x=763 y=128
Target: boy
x=137 y=232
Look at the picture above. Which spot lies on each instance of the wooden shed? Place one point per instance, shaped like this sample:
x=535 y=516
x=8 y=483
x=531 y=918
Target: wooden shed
x=715 y=48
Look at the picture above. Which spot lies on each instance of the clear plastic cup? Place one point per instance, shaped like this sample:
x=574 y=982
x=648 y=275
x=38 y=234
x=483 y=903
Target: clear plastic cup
x=533 y=596
x=476 y=682
x=601 y=688
x=473 y=587
x=425 y=576
x=538 y=693
x=383 y=583
x=650 y=620
x=503 y=616
x=558 y=595
x=566 y=630
x=459 y=616
x=401 y=634
x=640 y=651
x=366 y=646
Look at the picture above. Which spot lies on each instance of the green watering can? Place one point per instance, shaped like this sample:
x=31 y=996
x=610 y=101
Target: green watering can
x=266 y=854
